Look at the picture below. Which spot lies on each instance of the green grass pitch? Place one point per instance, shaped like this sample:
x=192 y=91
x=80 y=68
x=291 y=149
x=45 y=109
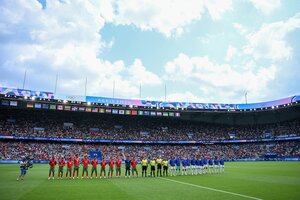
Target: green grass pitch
x=241 y=180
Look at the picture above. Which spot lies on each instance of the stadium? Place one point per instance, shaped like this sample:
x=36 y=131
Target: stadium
x=151 y=99
x=36 y=125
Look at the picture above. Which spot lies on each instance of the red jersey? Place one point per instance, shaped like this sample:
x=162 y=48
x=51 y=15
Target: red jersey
x=133 y=164
x=76 y=162
x=118 y=163
x=94 y=163
x=52 y=163
x=111 y=163
x=103 y=164
x=69 y=164
x=86 y=163
x=61 y=163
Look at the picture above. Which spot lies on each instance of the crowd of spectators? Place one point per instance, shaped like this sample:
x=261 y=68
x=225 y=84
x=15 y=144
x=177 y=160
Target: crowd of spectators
x=116 y=127
x=95 y=126
x=43 y=151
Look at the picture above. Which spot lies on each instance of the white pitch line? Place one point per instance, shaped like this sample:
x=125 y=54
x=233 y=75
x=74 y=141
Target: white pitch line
x=212 y=189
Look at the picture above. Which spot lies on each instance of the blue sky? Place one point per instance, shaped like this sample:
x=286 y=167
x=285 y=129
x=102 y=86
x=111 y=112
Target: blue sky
x=203 y=51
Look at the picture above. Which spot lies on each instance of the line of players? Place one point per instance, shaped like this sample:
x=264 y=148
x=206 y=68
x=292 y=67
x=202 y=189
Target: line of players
x=158 y=167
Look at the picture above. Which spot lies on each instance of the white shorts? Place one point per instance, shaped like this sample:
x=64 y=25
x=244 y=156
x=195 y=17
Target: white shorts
x=216 y=166
x=222 y=166
x=172 y=167
x=210 y=166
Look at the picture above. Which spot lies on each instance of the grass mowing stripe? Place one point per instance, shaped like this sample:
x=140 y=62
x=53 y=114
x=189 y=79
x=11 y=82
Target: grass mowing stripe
x=212 y=189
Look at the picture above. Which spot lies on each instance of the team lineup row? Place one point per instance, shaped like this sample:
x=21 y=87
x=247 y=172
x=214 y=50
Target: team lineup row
x=158 y=167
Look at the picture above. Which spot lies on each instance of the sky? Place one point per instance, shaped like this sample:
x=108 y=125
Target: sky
x=208 y=51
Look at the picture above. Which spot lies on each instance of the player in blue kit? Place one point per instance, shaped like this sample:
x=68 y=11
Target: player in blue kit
x=222 y=163
x=201 y=161
x=23 y=168
x=205 y=167
x=127 y=167
x=216 y=162
x=172 y=166
x=188 y=165
x=193 y=165
x=177 y=163
x=211 y=165
x=197 y=166
x=184 y=165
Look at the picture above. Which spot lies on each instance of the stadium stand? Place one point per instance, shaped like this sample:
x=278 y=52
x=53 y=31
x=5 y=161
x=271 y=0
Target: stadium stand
x=89 y=126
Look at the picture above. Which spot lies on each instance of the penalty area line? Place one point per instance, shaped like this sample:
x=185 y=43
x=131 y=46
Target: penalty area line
x=212 y=189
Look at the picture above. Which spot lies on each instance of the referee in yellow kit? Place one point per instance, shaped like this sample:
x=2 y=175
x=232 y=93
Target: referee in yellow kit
x=159 y=165
x=152 y=167
x=144 y=167
x=166 y=167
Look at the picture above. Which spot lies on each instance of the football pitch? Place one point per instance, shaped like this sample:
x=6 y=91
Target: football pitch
x=241 y=180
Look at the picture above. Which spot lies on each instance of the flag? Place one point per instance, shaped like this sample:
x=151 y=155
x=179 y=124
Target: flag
x=81 y=109
x=74 y=108
x=94 y=109
x=165 y=114
x=171 y=114
x=52 y=107
x=45 y=106
x=68 y=108
x=121 y=112
x=60 y=107
x=101 y=110
x=38 y=105
x=29 y=105
x=134 y=112
x=128 y=112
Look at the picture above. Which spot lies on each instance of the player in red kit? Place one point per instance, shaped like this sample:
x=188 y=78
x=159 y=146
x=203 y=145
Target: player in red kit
x=61 y=164
x=111 y=167
x=85 y=163
x=69 y=167
x=133 y=165
x=76 y=166
x=103 y=164
x=52 y=163
x=118 y=167
x=94 y=169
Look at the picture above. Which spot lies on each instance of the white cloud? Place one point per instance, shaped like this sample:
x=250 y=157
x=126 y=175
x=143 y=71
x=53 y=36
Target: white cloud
x=266 y=6
x=240 y=28
x=184 y=96
x=219 y=81
x=58 y=41
x=269 y=41
x=140 y=75
x=169 y=17
x=217 y=8
x=231 y=51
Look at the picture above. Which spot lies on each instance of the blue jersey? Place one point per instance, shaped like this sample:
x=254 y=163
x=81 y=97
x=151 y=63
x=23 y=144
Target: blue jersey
x=127 y=163
x=210 y=162
x=201 y=162
x=221 y=162
x=188 y=162
x=197 y=162
x=193 y=162
x=216 y=162
x=183 y=162
x=172 y=163
x=205 y=161
x=177 y=162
